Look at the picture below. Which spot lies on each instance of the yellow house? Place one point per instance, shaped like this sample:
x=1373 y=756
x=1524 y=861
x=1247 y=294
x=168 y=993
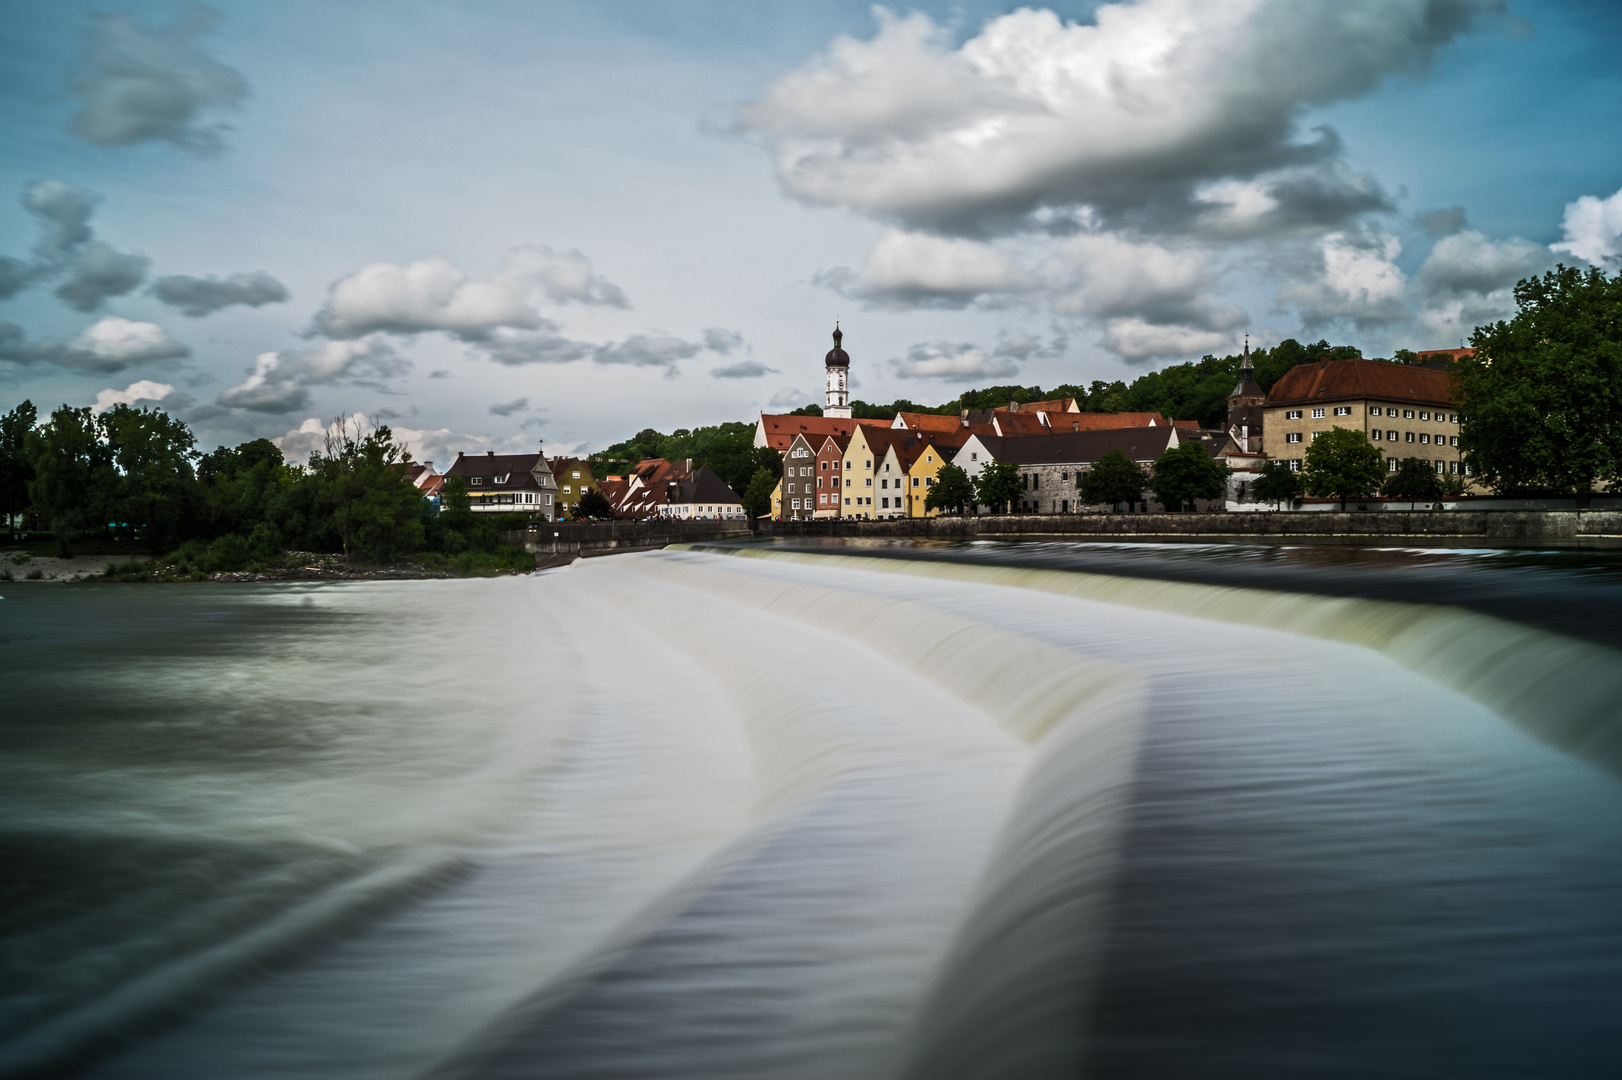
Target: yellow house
x=923 y=463
x=864 y=470
x=777 y=501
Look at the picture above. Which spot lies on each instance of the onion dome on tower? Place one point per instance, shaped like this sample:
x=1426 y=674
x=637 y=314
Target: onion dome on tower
x=838 y=364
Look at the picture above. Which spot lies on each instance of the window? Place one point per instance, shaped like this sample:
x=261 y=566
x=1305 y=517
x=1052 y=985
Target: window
x=847 y=500
x=819 y=483
x=1407 y=414
x=869 y=481
x=1424 y=416
x=1374 y=411
x=1391 y=436
x=884 y=504
x=1424 y=438
x=1343 y=410
x=1454 y=441
x=836 y=464
x=796 y=505
x=1407 y=436
x=1375 y=435
x=974 y=455
x=884 y=483
x=1064 y=476
x=475 y=479
x=915 y=481
x=576 y=474
x=869 y=464
x=1317 y=414
x=929 y=481
x=847 y=464
x=1453 y=418
x=824 y=466
x=566 y=489
x=847 y=481
x=1441 y=466
x=1292 y=414
x=929 y=459
x=1294 y=436
x=1295 y=464
x=791 y=488
x=1390 y=464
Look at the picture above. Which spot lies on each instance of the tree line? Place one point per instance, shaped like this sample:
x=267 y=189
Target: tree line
x=136 y=478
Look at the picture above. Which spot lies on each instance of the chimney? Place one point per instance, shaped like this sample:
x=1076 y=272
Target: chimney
x=429 y=465
x=491 y=453
x=459 y=455
x=1013 y=406
x=689 y=464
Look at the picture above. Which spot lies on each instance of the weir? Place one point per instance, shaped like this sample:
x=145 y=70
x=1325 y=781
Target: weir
x=1594 y=529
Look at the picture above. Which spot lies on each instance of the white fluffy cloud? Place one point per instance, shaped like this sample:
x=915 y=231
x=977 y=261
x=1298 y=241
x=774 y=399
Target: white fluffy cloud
x=742 y=369
x=109 y=345
x=139 y=84
x=431 y=294
x=1468 y=279
x=949 y=361
x=1358 y=282
x=909 y=269
x=438 y=445
x=144 y=390
x=279 y=381
x=1138 y=108
x=1137 y=341
x=1593 y=228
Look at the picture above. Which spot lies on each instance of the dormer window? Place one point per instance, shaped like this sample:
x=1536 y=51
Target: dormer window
x=502 y=479
x=475 y=480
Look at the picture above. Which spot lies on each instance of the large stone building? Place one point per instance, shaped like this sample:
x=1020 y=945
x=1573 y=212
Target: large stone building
x=1404 y=409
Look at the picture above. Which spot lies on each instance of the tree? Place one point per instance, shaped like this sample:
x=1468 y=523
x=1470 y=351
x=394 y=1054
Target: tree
x=1405 y=356
x=1541 y=399
x=997 y=485
x=1343 y=464
x=953 y=489
x=757 y=497
x=154 y=490
x=72 y=471
x=375 y=509
x=1276 y=484
x=1414 y=480
x=1113 y=479
x=593 y=504
x=15 y=469
x=1187 y=472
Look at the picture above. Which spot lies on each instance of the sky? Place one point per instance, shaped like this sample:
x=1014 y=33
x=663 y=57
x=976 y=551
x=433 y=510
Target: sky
x=495 y=225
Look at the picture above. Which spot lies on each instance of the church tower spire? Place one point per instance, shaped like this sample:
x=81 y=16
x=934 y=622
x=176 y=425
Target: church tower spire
x=837 y=363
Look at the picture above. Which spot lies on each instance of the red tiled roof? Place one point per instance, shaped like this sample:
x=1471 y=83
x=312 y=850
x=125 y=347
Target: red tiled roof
x=1020 y=423
x=1344 y=380
x=1064 y=405
x=781 y=430
x=1437 y=354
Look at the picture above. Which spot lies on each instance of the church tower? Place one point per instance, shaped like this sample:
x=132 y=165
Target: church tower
x=838 y=364
x=1245 y=407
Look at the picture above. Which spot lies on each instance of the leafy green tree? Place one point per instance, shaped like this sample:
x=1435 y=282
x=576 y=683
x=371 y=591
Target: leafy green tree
x=757 y=497
x=1541 y=399
x=593 y=504
x=241 y=484
x=1343 y=464
x=361 y=475
x=952 y=490
x=1187 y=472
x=1113 y=479
x=154 y=489
x=1414 y=480
x=1405 y=356
x=1277 y=484
x=15 y=469
x=72 y=471
x=997 y=485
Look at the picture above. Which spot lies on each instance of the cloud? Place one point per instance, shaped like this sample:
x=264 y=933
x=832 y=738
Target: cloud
x=279 y=381
x=142 y=84
x=786 y=397
x=15 y=276
x=908 y=270
x=941 y=360
x=1134 y=110
x=133 y=394
x=99 y=272
x=439 y=445
x=742 y=369
x=63 y=214
x=1138 y=342
x=110 y=345
x=1443 y=222
x=648 y=350
x=1470 y=263
x=197 y=297
x=721 y=341
x=442 y=373
x=1025 y=346
x=431 y=294
x=543 y=346
x=508 y=408
x=1593 y=228
x=1358 y=282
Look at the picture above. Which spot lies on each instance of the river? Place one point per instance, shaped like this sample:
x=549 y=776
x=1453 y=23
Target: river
x=837 y=811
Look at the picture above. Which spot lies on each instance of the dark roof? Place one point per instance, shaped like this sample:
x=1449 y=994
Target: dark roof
x=838 y=357
x=1139 y=444
x=703 y=486
x=519 y=468
x=1344 y=380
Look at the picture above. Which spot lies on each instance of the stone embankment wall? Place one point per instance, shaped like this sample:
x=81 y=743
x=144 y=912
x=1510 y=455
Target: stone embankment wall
x=1425 y=528
x=553 y=542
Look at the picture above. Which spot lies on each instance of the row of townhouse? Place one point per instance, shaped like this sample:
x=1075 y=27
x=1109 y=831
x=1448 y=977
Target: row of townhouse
x=874 y=473
x=671 y=490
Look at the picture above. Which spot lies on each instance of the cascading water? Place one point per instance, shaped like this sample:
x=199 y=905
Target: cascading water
x=805 y=815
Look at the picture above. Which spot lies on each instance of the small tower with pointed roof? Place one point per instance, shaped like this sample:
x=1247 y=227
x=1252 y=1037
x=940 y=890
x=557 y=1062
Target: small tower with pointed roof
x=1245 y=406
x=838 y=364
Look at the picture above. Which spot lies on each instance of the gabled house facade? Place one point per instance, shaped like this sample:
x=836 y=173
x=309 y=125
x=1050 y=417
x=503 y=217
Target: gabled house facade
x=574 y=478
x=506 y=483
